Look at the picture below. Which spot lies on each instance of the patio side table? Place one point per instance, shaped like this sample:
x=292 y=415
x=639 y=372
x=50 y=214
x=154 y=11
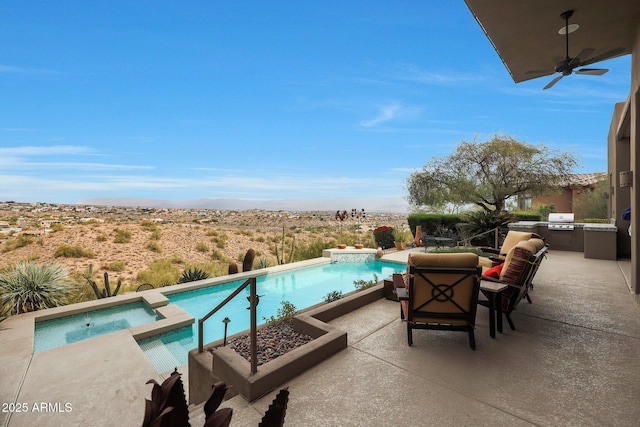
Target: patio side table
x=494 y=290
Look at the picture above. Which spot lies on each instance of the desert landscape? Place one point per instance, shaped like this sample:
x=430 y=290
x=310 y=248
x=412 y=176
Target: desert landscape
x=147 y=245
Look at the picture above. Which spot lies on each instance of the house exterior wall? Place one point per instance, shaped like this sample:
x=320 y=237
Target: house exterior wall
x=619 y=197
x=562 y=201
x=624 y=155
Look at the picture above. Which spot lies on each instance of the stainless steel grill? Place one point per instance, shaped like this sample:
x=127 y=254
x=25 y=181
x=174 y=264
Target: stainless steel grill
x=561 y=221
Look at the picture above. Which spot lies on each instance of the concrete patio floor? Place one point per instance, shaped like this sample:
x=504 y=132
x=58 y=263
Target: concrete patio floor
x=573 y=360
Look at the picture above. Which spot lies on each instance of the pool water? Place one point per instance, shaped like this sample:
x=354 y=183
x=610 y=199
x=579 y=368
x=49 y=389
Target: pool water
x=69 y=329
x=302 y=287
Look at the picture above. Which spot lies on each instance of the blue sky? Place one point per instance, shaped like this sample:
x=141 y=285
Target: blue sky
x=317 y=104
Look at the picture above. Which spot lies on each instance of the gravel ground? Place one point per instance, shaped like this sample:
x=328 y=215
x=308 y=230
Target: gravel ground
x=273 y=341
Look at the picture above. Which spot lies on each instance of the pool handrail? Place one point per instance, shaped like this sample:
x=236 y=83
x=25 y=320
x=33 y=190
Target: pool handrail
x=253 y=302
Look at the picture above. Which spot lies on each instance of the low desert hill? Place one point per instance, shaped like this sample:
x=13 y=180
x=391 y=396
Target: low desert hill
x=126 y=241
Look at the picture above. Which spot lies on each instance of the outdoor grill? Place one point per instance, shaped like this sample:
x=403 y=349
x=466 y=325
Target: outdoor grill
x=561 y=221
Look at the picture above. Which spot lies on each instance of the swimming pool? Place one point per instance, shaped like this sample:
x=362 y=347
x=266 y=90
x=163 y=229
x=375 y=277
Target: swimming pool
x=303 y=287
x=69 y=329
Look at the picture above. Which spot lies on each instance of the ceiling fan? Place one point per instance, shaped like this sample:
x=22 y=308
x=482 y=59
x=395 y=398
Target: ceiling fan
x=568 y=64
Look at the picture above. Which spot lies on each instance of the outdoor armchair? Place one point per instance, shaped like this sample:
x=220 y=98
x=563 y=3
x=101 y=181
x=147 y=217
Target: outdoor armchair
x=442 y=293
x=520 y=266
x=513 y=237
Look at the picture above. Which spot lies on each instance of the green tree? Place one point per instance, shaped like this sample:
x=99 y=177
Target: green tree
x=28 y=286
x=593 y=203
x=488 y=173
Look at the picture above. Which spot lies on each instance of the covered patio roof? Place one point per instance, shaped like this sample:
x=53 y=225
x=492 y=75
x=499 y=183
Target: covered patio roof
x=526 y=34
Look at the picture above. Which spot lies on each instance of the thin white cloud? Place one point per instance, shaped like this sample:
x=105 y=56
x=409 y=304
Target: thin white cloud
x=44 y=151
x=389 y=112
x=415 y=74
x=9 y=69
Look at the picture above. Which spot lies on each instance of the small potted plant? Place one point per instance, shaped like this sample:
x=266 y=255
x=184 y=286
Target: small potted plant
x=401 y=236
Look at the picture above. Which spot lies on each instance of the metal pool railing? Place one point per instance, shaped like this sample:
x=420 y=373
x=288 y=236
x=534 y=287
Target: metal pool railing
x=253 y=302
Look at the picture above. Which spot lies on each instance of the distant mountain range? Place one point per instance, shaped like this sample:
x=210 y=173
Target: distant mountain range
x=382 y=205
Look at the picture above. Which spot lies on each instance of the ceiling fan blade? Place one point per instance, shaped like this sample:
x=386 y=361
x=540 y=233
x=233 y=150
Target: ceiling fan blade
x=592 y=71
x=607 y=55
x=552 y=82
x=581 y=57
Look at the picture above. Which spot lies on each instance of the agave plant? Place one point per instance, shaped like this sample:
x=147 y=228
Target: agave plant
x=192 y=274
x=482 y=220
x=27 y=286
x=168 y=406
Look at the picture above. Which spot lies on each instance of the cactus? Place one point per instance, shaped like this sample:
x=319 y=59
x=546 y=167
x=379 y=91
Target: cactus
x=247 y=263
x=280 y=256
x=106 y=291
x=233 y=268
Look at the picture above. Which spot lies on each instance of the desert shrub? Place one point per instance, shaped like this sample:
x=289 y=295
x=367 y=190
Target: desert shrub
x=176 y=259
x=362 y=284
x=155 y=235
x=19 y=241
x=286 y=312
x=260 y=239
x=154 y=246
x=101 y=238
x=149 y=225
x=202 y=247
x=116 y=266
x=27 y=286
x=333 y=296
x=216 y=255
x=214 y=268
x=161 y=272
x=262 y=262
x=310 y=249
x=66 y=251
x=57 y=227
x=122 y=236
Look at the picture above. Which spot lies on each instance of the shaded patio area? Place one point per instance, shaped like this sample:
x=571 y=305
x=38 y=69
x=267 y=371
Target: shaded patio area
x=572 y=361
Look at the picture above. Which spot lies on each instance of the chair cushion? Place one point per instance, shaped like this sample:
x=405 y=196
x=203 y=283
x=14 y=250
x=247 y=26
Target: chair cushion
x=513 y=237
x=538 y=243
x=485 y=261
x=443 y=260
x=494 y=271
x=437 y=260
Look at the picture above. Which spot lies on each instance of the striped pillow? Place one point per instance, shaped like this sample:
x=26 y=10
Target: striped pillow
x=516 y=266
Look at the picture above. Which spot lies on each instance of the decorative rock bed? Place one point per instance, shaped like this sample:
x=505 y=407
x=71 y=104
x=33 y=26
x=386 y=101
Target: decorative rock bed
x=273 y=341
x=222 y=363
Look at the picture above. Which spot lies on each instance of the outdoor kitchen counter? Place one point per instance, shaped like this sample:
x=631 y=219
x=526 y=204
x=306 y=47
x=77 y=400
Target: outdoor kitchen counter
x=598 y=241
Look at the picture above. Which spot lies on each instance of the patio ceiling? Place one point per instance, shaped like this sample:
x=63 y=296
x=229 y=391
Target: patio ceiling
x=525 y=33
